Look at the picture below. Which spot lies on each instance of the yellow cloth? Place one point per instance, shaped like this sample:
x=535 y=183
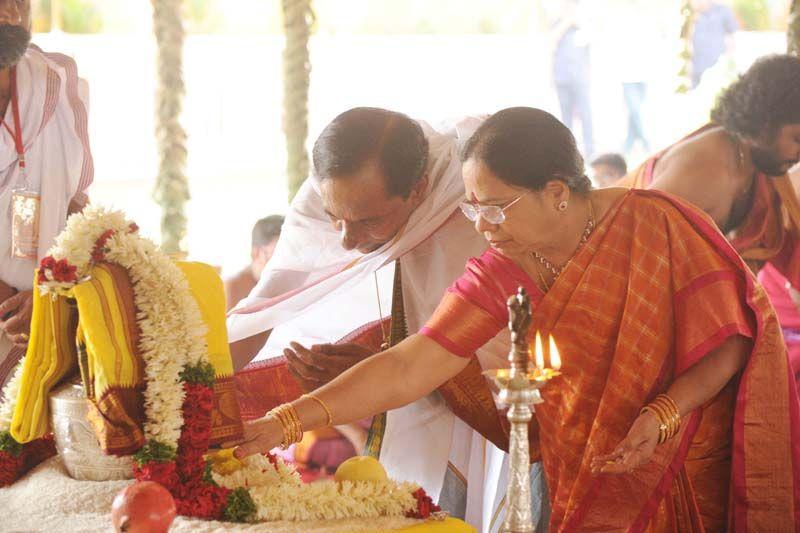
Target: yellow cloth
x=101 y=337
x=448 y=525
x=50 y=357
x=209 y=293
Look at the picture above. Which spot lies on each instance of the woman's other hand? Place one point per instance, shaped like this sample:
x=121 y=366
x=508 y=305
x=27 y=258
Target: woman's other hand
x=635 y=449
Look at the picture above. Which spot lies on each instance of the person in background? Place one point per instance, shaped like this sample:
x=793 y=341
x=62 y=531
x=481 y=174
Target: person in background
x=607 y=169
x=571 y=72
x=44 y=154
x=712 y=36
x=265 y=236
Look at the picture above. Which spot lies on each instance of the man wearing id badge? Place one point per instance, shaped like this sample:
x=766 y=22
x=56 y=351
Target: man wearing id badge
x=45 y=166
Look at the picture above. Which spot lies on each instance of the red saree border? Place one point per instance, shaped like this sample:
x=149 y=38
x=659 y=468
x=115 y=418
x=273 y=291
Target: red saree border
x=794 y=409
x=674 y=468
x=710 y=344
x=445 y=343
x=703 y=281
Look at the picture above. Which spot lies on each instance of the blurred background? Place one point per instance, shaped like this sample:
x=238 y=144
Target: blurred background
x=435 y=61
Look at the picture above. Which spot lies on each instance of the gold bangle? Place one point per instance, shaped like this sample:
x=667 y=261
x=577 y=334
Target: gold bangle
x=298 y=427
x=668 y=415
x=290 y=424
x=292 y=421
x=278 y=414
x=672 y=408
x=662 y=426
x=321 y=404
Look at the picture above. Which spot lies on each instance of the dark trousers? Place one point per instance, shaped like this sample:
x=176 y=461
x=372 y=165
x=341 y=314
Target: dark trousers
x=634 y=93
x=574 y=100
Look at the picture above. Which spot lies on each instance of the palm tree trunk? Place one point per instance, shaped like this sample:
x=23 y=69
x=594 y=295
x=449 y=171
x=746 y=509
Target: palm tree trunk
x=297 y=19
x=172 y=187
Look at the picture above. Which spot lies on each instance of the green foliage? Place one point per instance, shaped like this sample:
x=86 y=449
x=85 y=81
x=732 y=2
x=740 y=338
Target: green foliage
x=203 y=16
x=793 y=34
x=154 y=451
x=241 y=507
x=202 y=373
x=207 y=475
x=753 y=14
x=77 y=16
x=9 y=445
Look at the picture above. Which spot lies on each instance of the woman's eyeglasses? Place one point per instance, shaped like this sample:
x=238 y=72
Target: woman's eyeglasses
x=493 y=214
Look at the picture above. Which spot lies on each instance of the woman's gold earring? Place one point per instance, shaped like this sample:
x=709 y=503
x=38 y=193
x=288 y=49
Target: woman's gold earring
x=562 y=206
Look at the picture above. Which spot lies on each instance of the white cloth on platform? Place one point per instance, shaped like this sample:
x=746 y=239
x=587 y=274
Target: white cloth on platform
x=316 y=291
x=53 y=104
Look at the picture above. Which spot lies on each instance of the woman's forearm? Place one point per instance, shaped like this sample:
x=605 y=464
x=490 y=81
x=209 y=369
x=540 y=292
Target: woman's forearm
x=385 y=381
x=704 y=380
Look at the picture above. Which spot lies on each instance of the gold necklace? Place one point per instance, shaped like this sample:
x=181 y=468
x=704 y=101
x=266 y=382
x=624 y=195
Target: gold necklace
x=556 y=271
x=385 y=343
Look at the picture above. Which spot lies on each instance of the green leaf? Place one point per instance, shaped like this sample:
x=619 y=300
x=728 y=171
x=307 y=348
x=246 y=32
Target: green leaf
x=154 y=451
x=9 y=445
x=240 y=507
x=207 y=476
x=202 y=373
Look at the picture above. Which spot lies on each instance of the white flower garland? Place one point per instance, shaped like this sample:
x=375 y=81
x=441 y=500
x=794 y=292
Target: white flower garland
x=172 y=330
x=169 y=319
x=279 y=494
x=9 y=400
x=172 y=336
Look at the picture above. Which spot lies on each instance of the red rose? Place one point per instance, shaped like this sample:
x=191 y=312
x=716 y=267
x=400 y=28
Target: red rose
x=48 y=262
x=196 y=430
x=191 y=466
x=425 y=505
x=204 y=501
x=99 y=250
x=63 y=271
x=197 y=441
x=273 y=459
x=163 y=473
x=36 y=451
x=198 y=397
x=133 y=228
x=10 y=467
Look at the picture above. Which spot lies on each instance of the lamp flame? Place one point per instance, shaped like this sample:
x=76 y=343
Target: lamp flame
x=539 y=351
x=555 y=358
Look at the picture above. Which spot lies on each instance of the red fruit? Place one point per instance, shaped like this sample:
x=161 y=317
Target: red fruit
x=144 y=507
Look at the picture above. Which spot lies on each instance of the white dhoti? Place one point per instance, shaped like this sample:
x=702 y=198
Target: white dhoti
x=53 y=106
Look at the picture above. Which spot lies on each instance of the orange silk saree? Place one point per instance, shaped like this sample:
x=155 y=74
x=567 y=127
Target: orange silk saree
x=654 y=290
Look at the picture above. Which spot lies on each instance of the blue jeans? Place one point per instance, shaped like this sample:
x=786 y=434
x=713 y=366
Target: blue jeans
x=634 y=93
x=574 y=99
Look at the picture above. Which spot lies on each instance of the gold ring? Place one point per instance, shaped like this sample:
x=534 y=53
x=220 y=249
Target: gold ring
x=24 y=336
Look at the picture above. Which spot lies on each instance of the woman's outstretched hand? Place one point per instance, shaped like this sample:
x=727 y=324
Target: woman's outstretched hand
x=635 y=449
x=260 y=436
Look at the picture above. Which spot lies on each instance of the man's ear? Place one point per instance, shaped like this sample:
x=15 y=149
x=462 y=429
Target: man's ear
x=419 y=188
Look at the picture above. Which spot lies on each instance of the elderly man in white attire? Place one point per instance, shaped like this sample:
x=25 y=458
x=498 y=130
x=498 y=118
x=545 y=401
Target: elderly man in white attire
x=385 y=193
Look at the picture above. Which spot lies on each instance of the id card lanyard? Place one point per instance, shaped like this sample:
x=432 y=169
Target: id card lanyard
x=25 y=201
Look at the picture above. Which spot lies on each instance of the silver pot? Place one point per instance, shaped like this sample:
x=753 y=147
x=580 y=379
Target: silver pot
x=76 y=442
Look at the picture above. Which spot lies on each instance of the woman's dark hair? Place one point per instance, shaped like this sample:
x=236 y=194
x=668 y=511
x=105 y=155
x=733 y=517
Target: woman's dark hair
x=528 y=147
x=763 y=99
x=368 y=134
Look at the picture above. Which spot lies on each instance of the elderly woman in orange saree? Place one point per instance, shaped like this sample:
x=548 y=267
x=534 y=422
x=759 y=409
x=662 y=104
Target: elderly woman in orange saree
x=655 y=316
